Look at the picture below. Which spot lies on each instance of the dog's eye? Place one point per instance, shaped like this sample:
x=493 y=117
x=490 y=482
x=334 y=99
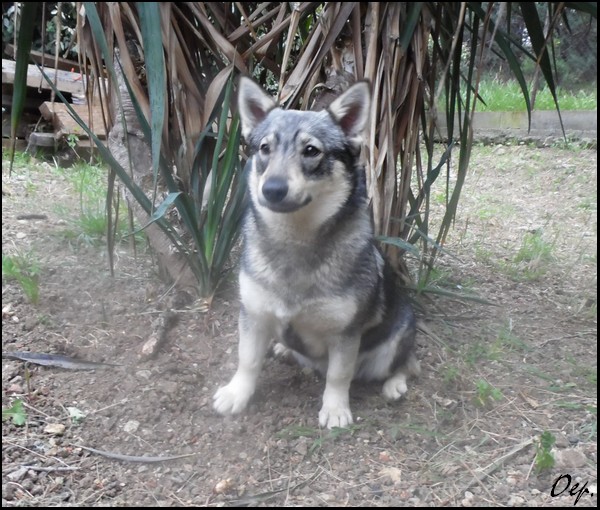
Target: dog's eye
x=265 y=150
x=310 y=151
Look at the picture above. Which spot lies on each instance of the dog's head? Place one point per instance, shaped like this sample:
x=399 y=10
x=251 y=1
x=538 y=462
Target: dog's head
x=302 y=159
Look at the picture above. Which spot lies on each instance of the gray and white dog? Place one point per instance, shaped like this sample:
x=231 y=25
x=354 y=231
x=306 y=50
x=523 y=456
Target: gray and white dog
x=311 y=275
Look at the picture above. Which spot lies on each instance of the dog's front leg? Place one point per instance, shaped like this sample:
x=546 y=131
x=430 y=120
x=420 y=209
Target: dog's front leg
x=336 y=412
x=255 y=334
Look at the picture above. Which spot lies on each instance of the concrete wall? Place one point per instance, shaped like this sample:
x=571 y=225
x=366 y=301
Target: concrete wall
x=545 y=126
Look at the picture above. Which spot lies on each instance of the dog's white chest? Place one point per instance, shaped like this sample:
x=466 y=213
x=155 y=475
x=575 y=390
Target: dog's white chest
x=317 y=320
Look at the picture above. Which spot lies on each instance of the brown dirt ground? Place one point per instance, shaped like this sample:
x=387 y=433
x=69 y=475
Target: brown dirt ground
x=531 y=358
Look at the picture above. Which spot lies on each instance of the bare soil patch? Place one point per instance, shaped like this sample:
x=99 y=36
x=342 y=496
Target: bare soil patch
x=495 y=378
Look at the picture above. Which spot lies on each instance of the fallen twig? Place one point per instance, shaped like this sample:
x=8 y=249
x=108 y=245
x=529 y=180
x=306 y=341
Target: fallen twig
x=50 y=469
x=134 y=458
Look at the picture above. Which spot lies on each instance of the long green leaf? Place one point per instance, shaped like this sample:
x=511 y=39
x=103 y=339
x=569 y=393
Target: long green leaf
x=413 y=16
x=155 y=71
x=400 y=243
x=535 y=30
x=28 y=22
x=504 y=43
x=160 y=211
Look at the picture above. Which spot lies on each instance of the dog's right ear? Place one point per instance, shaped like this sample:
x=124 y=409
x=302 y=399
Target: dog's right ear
x=254 y=104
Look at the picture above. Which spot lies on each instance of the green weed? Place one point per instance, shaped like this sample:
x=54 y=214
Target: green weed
x=450 y=374
x=508 y=341
x=16 y=413
x=544 y=459
x=24 y=269
x=477 y=351
x=486 y=393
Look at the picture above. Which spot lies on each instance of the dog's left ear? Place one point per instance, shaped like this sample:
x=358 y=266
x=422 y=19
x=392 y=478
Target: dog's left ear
x=254 y=104
x=351 y=109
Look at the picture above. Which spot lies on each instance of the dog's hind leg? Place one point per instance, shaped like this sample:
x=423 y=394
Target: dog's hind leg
x=255 y=334
x=335 y=411
x=395 y=386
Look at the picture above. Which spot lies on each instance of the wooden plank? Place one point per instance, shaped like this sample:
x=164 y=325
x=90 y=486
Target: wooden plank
x=64 y=64
x=66 y=81
x=65 y=125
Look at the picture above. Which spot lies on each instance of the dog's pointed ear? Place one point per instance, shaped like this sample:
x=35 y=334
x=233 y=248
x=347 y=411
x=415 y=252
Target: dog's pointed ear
x=254 y=104
x=351 y=109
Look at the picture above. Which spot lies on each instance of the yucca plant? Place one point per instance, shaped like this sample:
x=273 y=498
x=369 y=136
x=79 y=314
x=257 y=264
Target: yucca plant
x=172 y=65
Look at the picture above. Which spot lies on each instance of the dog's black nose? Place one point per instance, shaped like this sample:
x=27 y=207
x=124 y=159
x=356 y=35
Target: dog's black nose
x=275 y=189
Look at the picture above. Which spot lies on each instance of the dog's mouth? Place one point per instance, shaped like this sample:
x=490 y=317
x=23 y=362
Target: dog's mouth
x=284 y=206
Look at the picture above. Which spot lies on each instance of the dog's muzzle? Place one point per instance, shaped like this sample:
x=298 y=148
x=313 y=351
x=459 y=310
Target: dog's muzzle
x=274 y=193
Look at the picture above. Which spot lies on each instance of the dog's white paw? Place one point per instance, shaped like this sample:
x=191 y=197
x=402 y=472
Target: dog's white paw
x=281 y=351
x=395 y=386
x=233 y=398
x=339 y=416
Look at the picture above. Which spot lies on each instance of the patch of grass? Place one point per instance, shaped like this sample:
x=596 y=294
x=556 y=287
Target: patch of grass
x=416 y=428
x=297 y=431
x=535 y=371
x=477 y=351
x=442 y=278
x=483 y=255
x=502 y=96
x=589 y=373
x=20 y=159
x=489 y=210
x=587 y=204
x=25 y=270
x=90 y=227
x=508 y=341
x=573 y=145
x=544 y=459
x=532 y=260
x=535 y=248
x=450 y=374
x=486 y=393
x=439 y=197
x=560 y=387
x=565 y=404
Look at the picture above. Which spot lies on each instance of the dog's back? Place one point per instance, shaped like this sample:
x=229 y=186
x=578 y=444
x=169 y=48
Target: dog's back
x=311 y=275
